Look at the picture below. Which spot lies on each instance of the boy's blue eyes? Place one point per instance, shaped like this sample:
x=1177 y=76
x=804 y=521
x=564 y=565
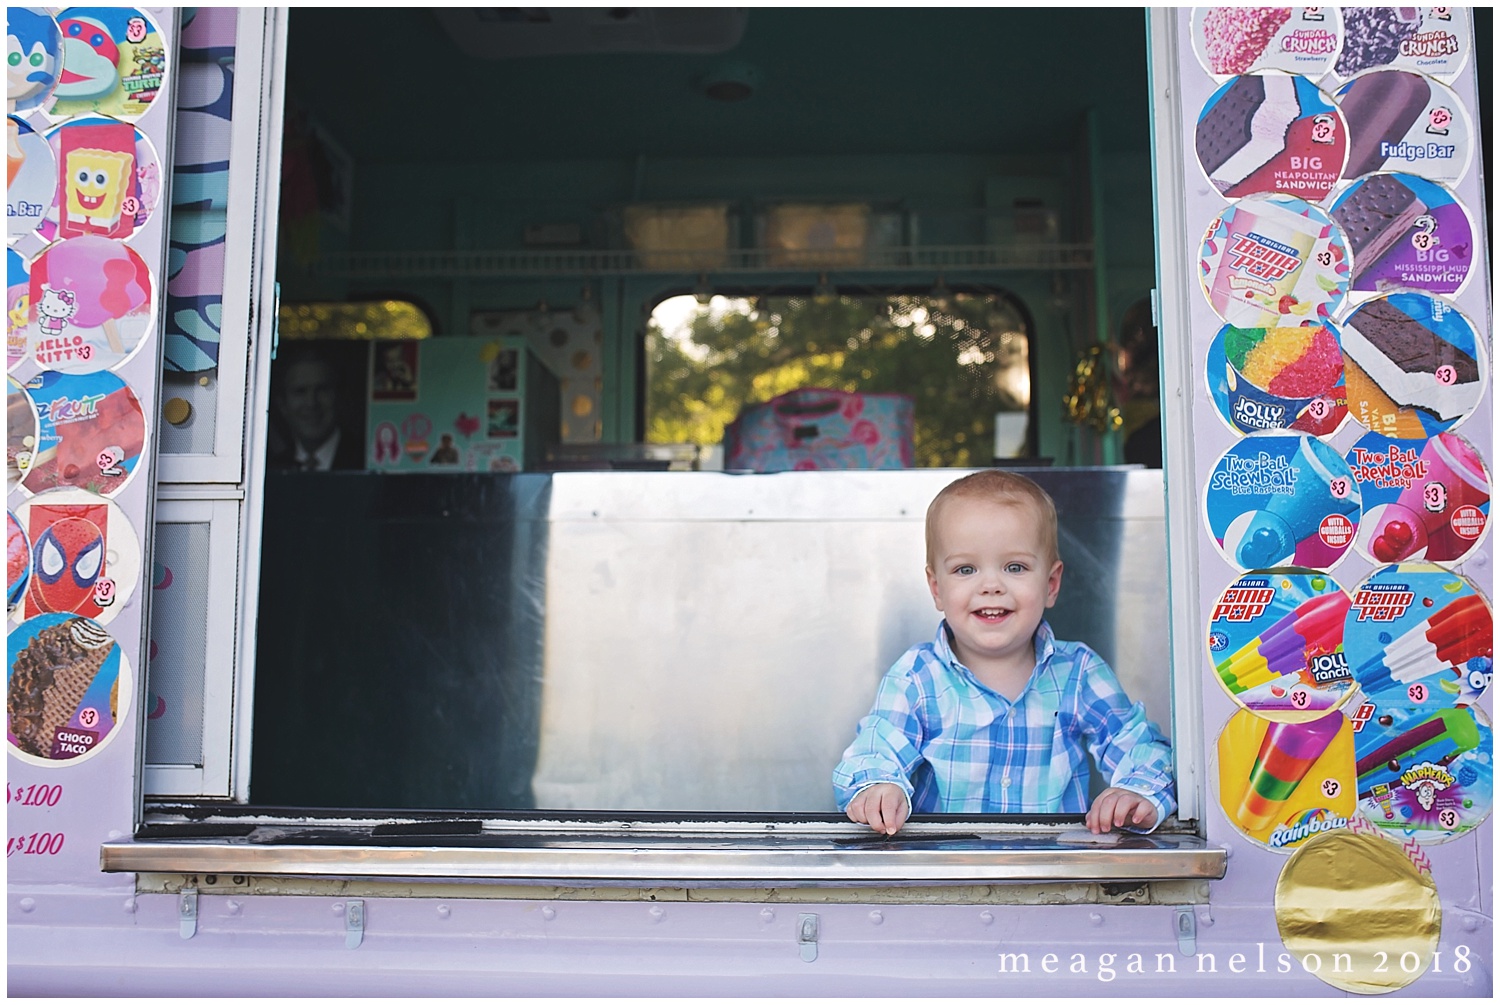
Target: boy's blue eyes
x=969 y=570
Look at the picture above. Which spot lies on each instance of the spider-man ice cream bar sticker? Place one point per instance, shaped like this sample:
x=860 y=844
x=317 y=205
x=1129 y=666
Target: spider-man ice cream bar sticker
x=1402 y=121
x=1265 y=133
x=1421 y=636
x=1281 y=783
x=1423 y=499
x=1231 y=40
x=1431 y=40
x=92 y=305
x=1282 y=499
x=85 y=556
x=1425 y=775
x=68 y=691
x=33 y=58
x=90 y=433
x=115 y=63
x=1273 y=261
x=108 y=179
x=31 y=178
x=1278 y=378
x=1405 y=234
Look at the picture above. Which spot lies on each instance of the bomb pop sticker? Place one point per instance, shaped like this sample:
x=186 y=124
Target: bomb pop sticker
x=85 y=556
x=116 y=63
x=93 y=305
x=1230 y=40
x=90 y=433
x=1432 y=40
x=1405 y=234
x=1424 y=500
x=1279 y=378
x=1266 y=133
x=33 y=51
x=1423 y=774
x=108 y=179
x=1273 y=261
x=1282 y=499
x=30 y=178
x=68 y=689
x=1281 y=783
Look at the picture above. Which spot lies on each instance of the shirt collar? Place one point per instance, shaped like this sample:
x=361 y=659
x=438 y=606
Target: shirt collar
x=1043 y=641
x=322 y=458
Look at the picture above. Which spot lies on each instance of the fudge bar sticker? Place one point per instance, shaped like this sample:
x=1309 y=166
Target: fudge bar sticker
x=92 y=305
x=31 y=178
x=68 y=689
x=1271 y=133
x=1400 y=121
x=1232 y=40
x=1432 y=40
x=90 y=433
x=1278 y=378
x=85 y=556
x=108 y=179
x=116 y=63
x=1423 y=499
x=1405 y=233
x=33 y=52
x=1423 y=775
x=1273 y=261
x=1281 y=783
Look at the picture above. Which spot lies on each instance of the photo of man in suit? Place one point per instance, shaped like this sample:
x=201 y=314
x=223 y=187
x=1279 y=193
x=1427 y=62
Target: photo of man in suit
x=318 y=423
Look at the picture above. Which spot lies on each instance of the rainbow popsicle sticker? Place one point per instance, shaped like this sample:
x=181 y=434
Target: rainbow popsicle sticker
x=1446 y=641
x=1286 y=754
x=1313 y=627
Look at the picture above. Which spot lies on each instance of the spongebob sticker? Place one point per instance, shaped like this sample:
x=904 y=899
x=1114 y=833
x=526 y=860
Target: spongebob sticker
x=108 y=182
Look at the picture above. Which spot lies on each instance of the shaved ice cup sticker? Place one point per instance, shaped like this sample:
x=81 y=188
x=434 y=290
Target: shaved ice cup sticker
x=1403 y=121
x=30 y=178
x=1280 y=498
x=1405 y=234
x=1432 y=40
x=1281 y=783
x=17 y=307
x=85 y=556
x=1425 y=775
x=1419 y=636
x=93 y=305
x=1232 y=40
x=68 y=689
x=1414 y=366
x=91 y=431
x=20 y=434
x=1423 y=499
x=1273 y=261
x=33 y=57
x=1278 y=378
x=116 y=60
x=1271 y=133
x=1276 y=642
x=108 y=179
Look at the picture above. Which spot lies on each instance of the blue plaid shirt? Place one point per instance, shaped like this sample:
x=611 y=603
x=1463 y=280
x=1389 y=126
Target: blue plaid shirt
x=955 y=746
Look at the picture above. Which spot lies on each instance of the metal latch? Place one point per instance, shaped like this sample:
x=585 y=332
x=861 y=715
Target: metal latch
x=187 y=912
x=807 y=936
x=354 y=923
x=1187 y=931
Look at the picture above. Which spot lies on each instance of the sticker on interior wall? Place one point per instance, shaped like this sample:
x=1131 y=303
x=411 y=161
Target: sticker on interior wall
x=1405 y=233
x=20 y=434
x=93 y=305
x=393 y=371
x=17 y=562
x=1353 y=910
x=33 y=58
x=108 y=179
x=1402 y=121
x=1414 y=366
x=17 y=307
x=85 y=555
x=30 y=178
x=1425 y=774
x=90 y=433
x=1231 y=40
x=1279 y=498
x=116 y=63
x=1279 y=378
x=1419 y=636
x=69 y=687
x=1267 y=133
x=1433 y=40
x=1271 y=261
x=1276 y=641
x=1282 y=783
x=1424 y=500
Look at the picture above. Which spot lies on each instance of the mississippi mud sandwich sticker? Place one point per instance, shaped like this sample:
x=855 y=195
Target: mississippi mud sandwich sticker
x=1424 y=500
x=115 y=63
x=31 y=178
x=1281 y=783
x=1278 y=378
x=1231 y=40
x=1423 y=774
x=1271 y=133
x=1405 y=233
x=1433 y=40
x=90 y=432
x=67 y=690
x=1273 y=261
x=93 y=304
x=1401 y=121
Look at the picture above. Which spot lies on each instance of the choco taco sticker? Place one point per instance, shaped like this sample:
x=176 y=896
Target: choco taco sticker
x=68 y=689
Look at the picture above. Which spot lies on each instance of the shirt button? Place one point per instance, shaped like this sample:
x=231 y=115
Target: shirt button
x=1005 y=782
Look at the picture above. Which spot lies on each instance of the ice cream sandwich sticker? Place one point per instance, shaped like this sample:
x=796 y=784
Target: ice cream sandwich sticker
x=1403 y=121
x=1273 y=261
x=1281 y=783
x=1423 y=775
x=1232 y=40
x=115 y=63
x=68 y=689
x=85 y=556
x=17 y=306
x=1423 y=499
x=92 y=305
x=1432 y=40
x=1421 y=636
x=1405 y=233
x=1414 y=366
x=33 y=50
x=30 y=178
x=90 y=433
x=108 y=179
x=1278 y=378
x=1282 y=499
x=1276 y=642
x=20 y=434
x=1271 y=132
x=17 y=562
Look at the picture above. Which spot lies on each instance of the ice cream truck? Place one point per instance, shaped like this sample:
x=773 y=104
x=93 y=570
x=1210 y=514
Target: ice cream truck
x=466 y=473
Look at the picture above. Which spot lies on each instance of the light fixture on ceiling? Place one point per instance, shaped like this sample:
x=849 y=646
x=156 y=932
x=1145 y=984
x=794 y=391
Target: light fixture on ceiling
x=703 y=292
x=730 y=81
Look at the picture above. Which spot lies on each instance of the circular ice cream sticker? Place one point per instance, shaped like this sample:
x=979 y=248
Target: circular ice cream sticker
x=20 y=434
x=17 y=561
x=1419 y=635
x=1423 y=499
x=68 y=689
x=1414 y=366
x=85 y=556
x=31 y=178
x=116 y=63
x=1432 y=40
x=1281 y=783
x=1270 y=132
x=1402 y=121
x=90 y=434
x=1231 y=40
x=1273 y=260
x=1278 y=378
x=93 y=304
x=17 y=306
x=1282 y=499
x=1405 y=233
x=33 y=49
x=1276 y=640
x=108 y=179
x=1423 y=774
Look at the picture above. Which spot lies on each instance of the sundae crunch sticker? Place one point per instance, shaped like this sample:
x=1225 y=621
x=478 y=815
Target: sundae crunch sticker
x=93 y=304
x=1423 y=774
x=1423 y=499
x=1401 y=121
x=1405 y=233
x=1281 y=783
x=1278 y=378
x=1273 y=261
x=1271 y=133
x=90 y=433
x=1282 y=499
x=68 y=689
x=1231 y=40
x=1276 y=641
x=114 y=60
x=1432 y=40
x=85 y=556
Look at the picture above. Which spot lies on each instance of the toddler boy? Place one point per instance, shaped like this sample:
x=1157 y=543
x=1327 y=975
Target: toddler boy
x=996 y=715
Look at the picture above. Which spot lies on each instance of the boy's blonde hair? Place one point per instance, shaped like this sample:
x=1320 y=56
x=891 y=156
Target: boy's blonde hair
x=1006 y=488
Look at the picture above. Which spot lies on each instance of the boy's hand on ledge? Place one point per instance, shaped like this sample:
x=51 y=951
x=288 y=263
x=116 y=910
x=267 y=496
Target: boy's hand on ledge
x=1116 y=808
x=882 y=805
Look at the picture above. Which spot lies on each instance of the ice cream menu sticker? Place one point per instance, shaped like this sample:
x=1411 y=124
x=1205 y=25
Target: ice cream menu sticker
x=91 y=432
x=1270 y=261
x=1425 y=775
x=1403 y=121
x=1405 y=233
x=67 y=690
x=1232 y=40
x=1423 y=499
x=1278 y=378
x=1281 y=783
x=1433 y=40
x=1271 y=133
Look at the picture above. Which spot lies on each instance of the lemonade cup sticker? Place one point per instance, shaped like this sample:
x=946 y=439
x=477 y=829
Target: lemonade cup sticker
x=1273 y=261
x=1279 y=378
x=1424 y=500
x=1425 y=775
x=1233 y=40
x=1265 y=133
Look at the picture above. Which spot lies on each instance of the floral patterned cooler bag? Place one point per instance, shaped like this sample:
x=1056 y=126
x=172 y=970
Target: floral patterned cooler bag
x=816 y=428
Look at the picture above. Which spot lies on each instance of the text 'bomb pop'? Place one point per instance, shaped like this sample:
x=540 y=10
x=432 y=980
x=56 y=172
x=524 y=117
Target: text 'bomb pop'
x=1315 y=626
x=1454 y=635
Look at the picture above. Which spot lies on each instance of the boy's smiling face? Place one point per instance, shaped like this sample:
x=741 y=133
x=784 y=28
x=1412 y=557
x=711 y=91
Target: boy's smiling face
x=993 y=579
